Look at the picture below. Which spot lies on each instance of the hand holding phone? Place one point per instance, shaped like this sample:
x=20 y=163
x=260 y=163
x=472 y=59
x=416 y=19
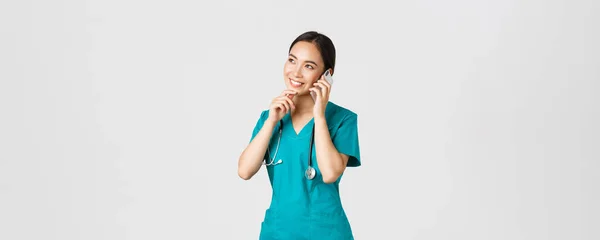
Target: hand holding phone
x=328 y=78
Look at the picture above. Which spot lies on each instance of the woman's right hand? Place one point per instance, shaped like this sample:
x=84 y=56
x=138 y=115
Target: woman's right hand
x=281 y=105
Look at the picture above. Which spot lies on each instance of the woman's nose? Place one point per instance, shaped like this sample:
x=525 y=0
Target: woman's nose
x=298 y=71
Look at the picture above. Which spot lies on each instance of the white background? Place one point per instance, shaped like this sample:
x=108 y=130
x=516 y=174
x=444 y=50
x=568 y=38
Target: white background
x=125 y=119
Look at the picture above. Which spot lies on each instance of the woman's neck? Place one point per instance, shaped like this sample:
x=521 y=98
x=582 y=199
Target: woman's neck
x=304 y=105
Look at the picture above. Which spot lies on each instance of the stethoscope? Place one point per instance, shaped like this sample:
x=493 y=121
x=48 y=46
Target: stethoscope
x=310 y=171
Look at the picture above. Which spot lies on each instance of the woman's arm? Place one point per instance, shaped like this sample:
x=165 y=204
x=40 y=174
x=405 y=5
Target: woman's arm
x=251 y=158
x=331 y=163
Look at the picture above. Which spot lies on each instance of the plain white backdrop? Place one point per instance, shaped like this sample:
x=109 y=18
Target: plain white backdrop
x=125 y=119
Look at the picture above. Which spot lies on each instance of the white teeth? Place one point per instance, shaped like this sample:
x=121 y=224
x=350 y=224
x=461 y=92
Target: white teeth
x=296 y=83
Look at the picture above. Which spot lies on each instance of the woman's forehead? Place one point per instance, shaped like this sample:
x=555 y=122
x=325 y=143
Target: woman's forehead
x=306 y=51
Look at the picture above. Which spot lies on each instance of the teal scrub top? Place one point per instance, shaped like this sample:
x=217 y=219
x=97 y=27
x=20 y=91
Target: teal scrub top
x=302 y=208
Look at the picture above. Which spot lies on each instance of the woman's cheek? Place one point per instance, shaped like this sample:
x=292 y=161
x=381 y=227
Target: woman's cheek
x=310 y=76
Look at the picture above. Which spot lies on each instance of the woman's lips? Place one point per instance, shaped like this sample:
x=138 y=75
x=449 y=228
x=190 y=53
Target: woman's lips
x=295 y=83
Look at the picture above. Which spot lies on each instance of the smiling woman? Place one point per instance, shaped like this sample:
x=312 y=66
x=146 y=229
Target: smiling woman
x=315 y=141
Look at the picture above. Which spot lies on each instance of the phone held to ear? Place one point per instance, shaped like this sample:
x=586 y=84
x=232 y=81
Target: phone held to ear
x=328 y=78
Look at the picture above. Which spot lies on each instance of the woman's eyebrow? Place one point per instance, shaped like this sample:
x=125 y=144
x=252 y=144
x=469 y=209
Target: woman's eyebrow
x=308 y=61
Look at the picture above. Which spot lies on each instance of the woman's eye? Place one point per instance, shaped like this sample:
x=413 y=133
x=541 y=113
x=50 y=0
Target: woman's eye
x=291 y=60
x=309 y=67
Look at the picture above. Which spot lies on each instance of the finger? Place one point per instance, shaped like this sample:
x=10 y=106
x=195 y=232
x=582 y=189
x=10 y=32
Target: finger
x=275 y=105
x=327 y=83
x=285 y=103
x=324 y=89
x=327 y=87
x=288 y=107
x=280 y=98
x=322 y=84
x=290 y=102
x=281 y=106
x=316 y=91
x=287 y=95
x=288 y=92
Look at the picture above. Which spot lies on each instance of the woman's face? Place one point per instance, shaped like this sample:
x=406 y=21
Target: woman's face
x=303 y=67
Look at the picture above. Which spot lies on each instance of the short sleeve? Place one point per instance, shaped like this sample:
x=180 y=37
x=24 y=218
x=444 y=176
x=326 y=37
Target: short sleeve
x=261 y=120
x=346 y=140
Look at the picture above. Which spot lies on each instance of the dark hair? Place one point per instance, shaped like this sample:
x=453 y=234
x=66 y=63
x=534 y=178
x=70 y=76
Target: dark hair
x=323 y=43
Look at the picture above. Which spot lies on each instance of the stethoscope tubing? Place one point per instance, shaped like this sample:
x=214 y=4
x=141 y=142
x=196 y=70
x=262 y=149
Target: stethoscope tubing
x=310 y=171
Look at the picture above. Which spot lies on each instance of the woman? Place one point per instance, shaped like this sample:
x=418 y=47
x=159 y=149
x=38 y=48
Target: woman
x=295 y=129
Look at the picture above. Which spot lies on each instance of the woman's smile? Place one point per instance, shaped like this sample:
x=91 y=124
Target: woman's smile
x=296 y=84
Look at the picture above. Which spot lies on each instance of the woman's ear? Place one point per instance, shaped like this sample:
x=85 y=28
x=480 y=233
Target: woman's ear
x=330 y=71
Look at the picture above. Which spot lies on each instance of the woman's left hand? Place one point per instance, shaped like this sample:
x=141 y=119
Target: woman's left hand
x=322 y=96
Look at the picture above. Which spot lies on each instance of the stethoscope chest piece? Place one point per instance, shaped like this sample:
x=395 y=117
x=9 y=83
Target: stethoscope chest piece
x=310 y=173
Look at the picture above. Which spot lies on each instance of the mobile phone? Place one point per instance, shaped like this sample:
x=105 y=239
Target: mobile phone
x=328 y=78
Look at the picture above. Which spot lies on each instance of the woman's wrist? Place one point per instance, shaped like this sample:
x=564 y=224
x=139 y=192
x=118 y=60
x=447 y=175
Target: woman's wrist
x=270 y=123
x=320 y=119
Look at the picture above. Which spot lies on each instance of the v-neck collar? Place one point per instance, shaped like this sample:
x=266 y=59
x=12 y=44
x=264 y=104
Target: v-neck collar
x=304 y=131
x=303 y=127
